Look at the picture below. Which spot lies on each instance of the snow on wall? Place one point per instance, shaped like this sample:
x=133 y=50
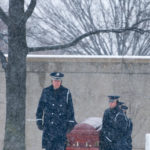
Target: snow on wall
x=87 y=56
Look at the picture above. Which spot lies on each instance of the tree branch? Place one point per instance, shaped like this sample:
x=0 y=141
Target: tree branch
x=4 y=17
x=76 y=40
x=29 y=11
x=141 y=21
x=3 y=60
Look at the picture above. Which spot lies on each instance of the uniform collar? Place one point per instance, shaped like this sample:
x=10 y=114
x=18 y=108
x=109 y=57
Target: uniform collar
x=52 y=88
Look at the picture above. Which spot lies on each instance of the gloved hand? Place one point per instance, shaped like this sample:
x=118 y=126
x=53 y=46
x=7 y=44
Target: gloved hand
x=70 y=126
x=39 y=124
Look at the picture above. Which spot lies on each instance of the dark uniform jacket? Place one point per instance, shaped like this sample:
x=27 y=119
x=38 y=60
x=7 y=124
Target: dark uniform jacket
x=55 y=114
x=128 y=134
x=113 y=130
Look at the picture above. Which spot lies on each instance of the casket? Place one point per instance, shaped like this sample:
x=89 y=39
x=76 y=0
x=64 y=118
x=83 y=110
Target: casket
x=85 y=135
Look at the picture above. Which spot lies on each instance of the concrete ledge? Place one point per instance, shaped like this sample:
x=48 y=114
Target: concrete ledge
x=89 y=64
x=88 y=58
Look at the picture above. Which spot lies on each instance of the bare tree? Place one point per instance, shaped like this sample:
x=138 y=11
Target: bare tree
x=69 y=19
x=15 y=72
x=15 y=65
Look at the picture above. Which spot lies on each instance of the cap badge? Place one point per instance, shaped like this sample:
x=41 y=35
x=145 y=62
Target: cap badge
x=57 y=74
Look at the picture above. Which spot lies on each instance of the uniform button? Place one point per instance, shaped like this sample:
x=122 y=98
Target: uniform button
x=60 y=105
x=53 y=104
x=52 y=113
x=52 y=122
x=59 y=114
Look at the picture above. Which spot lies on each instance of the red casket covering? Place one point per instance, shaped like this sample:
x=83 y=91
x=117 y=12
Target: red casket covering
x=84 y=136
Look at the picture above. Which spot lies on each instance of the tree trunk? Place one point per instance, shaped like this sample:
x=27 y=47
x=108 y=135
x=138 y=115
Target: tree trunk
x=15 y=108
x=16 y=80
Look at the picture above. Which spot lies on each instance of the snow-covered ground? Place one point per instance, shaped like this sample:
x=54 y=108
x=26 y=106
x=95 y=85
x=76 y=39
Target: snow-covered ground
x=147 y=143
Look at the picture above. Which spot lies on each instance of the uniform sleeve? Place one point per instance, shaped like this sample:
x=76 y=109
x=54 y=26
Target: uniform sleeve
x=107 y=122
x=40 y=108
x=130 y=127
x=104 y=127
x=108 y=128
x=107 y=132
x=70 y=112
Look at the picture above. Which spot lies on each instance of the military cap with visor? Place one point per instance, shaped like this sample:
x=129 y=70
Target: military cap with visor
x=113 y=98
x=124 y=107
x=120 y=103
x=57 y=75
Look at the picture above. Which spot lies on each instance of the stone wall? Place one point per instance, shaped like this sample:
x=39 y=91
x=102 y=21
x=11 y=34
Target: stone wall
x=91 y=80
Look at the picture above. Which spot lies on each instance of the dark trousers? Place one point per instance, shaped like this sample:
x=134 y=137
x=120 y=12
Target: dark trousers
x=56 y=145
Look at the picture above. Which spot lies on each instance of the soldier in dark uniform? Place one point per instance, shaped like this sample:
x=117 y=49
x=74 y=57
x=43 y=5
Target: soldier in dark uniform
x=129 y=129
x=114 y=126
x=55 y=114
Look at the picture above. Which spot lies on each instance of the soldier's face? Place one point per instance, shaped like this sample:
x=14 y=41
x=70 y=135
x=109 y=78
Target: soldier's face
x=56 y=83
x=113 y=104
